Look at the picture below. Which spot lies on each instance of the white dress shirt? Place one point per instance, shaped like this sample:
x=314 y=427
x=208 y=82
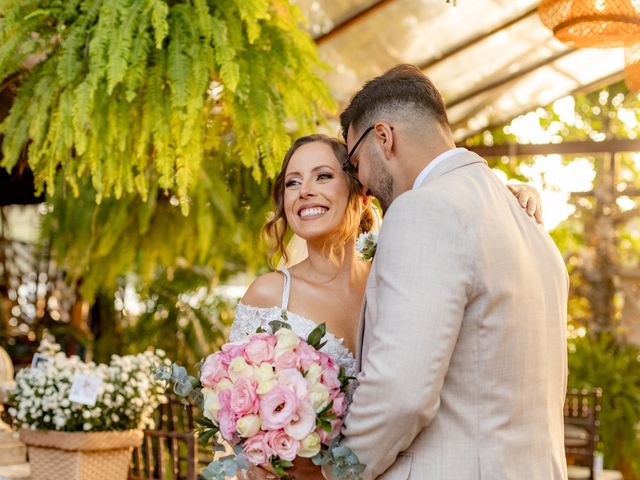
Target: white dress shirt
x=433 y=163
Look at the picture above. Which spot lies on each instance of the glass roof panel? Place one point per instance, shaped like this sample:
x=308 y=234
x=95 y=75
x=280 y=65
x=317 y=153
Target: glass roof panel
x=492 y=59
x=540 y=87
x=324 y=15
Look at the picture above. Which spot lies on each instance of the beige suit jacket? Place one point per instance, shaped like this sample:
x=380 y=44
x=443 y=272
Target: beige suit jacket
x=462 y=347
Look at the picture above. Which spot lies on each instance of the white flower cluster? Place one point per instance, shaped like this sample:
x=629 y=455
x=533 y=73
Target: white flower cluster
x=128 y=396
x=366 y=244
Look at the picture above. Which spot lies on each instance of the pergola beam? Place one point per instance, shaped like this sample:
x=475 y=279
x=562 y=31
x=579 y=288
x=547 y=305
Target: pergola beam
x=565 y=148
x=352 y=20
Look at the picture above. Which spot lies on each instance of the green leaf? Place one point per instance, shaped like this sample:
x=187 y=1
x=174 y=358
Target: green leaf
x=205 y=422
x=315 y=336
x=277 y=325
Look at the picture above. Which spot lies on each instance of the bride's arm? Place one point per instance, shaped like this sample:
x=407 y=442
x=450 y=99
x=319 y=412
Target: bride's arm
x=264 y=292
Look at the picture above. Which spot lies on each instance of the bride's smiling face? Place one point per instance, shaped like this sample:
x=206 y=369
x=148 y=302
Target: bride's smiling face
x=316 y=192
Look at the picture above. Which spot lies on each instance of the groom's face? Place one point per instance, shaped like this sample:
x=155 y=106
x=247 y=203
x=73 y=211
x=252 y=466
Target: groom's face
x=368 y=162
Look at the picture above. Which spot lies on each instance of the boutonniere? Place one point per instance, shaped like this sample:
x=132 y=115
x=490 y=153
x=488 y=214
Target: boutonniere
x=366 y=245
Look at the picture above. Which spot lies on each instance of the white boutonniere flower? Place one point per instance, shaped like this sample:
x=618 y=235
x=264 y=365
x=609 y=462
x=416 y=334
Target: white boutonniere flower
x=366 y=245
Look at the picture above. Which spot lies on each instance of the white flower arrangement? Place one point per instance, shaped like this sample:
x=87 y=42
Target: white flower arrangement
x=127 y=397
x=366 y=245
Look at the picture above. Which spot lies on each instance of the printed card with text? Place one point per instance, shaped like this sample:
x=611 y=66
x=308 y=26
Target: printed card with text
x=40 y=361
x=85 y=389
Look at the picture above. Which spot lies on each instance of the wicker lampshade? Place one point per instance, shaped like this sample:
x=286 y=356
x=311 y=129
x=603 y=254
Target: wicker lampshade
x=593 y=23
x=632 y=67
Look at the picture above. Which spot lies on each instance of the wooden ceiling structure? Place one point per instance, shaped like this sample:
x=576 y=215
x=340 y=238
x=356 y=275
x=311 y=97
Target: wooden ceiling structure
x=493 y=60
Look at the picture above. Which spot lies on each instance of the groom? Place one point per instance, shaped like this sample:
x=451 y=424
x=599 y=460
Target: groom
x=462 y=345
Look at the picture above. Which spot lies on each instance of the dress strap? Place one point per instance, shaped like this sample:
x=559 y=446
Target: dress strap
x=287 y=288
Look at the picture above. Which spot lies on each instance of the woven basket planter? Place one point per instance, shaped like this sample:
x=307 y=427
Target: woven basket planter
x=79 y=455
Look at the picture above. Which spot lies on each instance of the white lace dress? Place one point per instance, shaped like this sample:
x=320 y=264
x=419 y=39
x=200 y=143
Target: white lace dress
x=247 y=319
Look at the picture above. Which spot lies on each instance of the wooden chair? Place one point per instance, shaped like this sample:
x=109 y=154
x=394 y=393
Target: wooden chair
x=171 y=451
x=581 y=419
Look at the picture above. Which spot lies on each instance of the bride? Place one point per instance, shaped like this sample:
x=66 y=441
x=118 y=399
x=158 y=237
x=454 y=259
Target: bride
x=316 y=200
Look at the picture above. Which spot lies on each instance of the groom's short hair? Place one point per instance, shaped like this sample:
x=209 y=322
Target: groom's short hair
x=399 y=89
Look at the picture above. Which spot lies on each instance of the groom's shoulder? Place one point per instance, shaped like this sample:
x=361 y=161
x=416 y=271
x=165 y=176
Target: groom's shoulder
x=265 y=291
x=438 y=195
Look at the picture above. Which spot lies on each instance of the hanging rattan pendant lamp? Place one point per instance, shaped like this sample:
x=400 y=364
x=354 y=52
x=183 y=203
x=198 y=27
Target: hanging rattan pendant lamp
x=632 y=67
x=593 y=23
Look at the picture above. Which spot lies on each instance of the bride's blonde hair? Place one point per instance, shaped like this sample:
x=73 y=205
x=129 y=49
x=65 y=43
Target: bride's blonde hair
x=358 y=216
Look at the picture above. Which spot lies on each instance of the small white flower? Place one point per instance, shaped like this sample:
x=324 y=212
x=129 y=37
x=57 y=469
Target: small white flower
x=366 y=245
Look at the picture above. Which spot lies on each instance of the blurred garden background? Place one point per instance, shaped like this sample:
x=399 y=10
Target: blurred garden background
x=139 y=140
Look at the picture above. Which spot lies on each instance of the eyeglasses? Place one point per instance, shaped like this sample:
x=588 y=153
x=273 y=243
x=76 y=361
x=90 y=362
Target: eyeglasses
x=347 y=166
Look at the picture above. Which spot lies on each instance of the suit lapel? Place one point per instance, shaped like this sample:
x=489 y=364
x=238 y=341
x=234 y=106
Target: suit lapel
x=363 y=316
x=459 y=160
x=361 y=334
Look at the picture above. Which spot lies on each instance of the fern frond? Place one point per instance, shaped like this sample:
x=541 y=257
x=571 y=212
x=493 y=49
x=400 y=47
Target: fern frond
x=159 y=13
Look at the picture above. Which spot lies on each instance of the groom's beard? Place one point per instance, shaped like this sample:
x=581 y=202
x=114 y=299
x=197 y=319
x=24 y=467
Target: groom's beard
x=380 y=182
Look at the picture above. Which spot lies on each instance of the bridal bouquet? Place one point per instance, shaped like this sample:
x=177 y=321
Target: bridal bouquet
x=273 y=397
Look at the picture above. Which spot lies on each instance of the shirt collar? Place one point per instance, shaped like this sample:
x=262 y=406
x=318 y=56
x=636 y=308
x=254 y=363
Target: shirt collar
x=433 y=163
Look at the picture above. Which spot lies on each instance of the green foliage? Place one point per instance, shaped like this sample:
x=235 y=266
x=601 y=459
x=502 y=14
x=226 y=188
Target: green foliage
x=180 y=314
x=96 y=244
x=119 y=95
x=602 y=362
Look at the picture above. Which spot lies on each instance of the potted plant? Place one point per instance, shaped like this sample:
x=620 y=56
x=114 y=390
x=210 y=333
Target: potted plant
x=81 y=420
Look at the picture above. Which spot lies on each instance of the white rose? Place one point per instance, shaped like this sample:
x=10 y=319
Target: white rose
x=224 y=384
x=211 y=404
x=239 y=368
x=266 y=378
x=314 y=373
x=310 y=446
x=318 y=396
x=287 y=341
x=248 y=426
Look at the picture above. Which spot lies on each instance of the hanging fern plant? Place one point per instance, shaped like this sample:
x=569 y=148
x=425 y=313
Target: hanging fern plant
x=138 y=94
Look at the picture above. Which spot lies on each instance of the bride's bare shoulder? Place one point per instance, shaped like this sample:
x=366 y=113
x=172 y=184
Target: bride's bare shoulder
x=265 y=291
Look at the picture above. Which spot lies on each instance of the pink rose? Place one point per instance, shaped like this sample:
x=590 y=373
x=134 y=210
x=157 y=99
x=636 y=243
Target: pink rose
x=282 y=445
x=303 y=423
x=213 y=370
x=340 y=405
x=278 y=407
x=256 y=450
x=260 y=348
x=244 y=399
x=330 y=380
x=225 y=399
x=227 y=424
x=233 y=350
x=287 y=359
x=327 y=363
x=327 y=437
x=307 y=355
x=294 y=380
